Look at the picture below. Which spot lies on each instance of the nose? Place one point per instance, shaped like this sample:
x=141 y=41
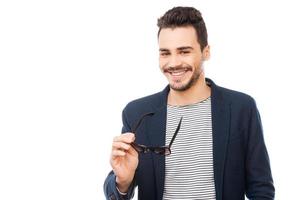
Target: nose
x=174 y=61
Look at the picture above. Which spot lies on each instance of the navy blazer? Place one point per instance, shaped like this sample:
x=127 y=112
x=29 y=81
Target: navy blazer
x=240 y=158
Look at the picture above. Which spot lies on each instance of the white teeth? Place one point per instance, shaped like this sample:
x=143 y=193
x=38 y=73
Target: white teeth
x=178 y=73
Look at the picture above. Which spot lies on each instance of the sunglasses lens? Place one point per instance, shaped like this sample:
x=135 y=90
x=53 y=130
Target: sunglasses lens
x=158 y=150
x=167 y=151
x=162 y=150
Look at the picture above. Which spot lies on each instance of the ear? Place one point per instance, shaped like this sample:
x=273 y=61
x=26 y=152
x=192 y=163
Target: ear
x=206 y=53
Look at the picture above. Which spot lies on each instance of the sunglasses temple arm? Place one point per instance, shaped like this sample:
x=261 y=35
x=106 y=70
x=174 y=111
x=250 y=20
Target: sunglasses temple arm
x=175 y=134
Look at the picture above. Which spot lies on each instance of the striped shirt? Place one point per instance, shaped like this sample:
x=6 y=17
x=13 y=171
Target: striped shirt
x=189 y=169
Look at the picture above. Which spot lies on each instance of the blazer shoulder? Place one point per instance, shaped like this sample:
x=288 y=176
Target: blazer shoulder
x=237 y=98
x=145 y=104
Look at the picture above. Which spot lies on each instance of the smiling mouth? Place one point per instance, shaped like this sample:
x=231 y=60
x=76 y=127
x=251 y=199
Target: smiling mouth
x=178 y=71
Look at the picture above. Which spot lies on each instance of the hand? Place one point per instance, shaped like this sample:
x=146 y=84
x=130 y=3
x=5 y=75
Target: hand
x=124 y=160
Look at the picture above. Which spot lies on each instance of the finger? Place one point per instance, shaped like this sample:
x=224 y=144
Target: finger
x=116 y=153
x=132 y=151
x=126 y=137
x=120 y=145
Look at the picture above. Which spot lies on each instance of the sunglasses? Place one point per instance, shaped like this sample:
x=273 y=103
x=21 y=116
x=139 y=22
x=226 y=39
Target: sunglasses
x=161 y=150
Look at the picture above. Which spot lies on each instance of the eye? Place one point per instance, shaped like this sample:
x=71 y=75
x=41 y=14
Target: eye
x=184 y=52
x=164 y=53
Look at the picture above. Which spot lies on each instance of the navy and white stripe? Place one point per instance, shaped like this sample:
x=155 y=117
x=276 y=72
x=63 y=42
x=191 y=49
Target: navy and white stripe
x=189 y=169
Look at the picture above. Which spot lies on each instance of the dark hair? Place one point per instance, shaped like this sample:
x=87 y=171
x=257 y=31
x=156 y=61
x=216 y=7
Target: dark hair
x=185 y=16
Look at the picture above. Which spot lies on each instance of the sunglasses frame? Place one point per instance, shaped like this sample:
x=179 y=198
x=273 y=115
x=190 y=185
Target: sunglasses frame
x=161 y=150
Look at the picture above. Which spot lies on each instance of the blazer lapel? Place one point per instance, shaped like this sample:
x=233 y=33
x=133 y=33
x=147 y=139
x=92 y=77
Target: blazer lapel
x=156 y=130
x=220 y=127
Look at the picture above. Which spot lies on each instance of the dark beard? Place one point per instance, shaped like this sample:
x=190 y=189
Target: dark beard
x=191 y=82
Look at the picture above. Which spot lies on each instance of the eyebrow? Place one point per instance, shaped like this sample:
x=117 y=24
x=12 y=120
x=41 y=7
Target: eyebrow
x=179 y=48
x=163 y=49
x=185 y=48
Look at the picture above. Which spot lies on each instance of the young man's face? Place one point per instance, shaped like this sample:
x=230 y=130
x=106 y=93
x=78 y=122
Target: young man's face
x=180 y=56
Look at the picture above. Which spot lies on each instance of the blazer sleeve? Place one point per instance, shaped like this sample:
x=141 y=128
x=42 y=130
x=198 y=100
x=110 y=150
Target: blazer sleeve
x=109 y=187
x=111 y=192
x=259 y=184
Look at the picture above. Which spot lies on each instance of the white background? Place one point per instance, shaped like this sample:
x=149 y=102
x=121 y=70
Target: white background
x=67 y=68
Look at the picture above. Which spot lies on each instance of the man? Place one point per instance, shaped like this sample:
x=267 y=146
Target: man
x=193 y=140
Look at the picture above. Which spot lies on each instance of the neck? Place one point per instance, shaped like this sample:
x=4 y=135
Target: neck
x=198 y=92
